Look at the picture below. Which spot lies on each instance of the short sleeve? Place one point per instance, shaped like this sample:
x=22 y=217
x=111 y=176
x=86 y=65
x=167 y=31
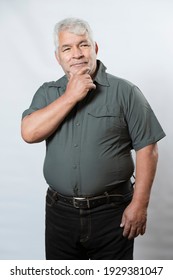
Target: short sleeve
x=144 y=127
x=38 y=102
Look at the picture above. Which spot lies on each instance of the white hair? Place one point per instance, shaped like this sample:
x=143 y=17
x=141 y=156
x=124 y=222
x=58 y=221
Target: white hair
x=73 y=25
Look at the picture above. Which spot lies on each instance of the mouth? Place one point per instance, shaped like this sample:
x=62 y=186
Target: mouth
x=78 y=64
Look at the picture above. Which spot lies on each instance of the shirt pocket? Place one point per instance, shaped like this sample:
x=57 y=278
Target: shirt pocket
x=107 y=118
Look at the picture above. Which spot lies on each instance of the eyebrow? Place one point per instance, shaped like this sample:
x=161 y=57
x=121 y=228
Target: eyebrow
x=69 y=45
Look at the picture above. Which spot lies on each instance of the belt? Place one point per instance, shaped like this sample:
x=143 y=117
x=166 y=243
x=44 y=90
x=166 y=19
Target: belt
x=90 y=202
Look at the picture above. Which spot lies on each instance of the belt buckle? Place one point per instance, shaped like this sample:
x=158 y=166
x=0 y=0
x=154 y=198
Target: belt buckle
x=77 y=199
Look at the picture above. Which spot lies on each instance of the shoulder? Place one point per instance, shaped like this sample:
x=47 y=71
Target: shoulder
x=55 y=84
x=124 y=89
x=50 y=91
x=123 y=83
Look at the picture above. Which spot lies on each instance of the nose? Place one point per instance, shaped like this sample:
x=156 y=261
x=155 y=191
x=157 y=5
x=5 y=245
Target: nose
x=77 y=52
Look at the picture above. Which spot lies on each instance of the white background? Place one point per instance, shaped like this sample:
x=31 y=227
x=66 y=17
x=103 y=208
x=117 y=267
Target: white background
x=135 y=39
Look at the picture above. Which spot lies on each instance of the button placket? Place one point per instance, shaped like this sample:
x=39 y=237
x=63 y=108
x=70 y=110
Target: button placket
x=76 y=146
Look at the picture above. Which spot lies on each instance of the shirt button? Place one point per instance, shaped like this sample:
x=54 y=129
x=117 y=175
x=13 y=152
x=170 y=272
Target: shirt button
x=78 y=124
x=75 y=145
x=74 y=166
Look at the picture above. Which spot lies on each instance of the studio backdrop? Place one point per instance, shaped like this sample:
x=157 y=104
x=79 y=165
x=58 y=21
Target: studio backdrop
x=135 y=40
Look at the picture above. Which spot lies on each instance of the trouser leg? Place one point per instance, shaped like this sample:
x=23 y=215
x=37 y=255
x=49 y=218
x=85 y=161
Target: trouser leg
x=106 y=239
x=62 y=233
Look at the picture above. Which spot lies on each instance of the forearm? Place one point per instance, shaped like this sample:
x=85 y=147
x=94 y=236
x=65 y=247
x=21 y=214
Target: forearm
x=39 y=125
x=135 y=215
x=146 y=163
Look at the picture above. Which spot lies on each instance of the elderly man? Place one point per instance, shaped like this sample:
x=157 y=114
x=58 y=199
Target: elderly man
x=91 y=120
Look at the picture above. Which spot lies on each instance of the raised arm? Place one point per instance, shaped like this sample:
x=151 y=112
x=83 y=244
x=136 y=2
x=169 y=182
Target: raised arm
x=39 y=125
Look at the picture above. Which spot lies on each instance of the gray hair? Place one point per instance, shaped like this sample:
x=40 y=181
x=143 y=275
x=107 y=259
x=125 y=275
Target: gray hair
x=73 y=25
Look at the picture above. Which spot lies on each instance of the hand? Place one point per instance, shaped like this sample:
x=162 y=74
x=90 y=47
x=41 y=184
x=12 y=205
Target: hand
x=134 y=221
x=79 y=84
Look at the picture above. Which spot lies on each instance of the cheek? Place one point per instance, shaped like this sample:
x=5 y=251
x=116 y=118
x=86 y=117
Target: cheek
x=64 y=62
x=63 y=58
x=92 y=56
x=92 y=59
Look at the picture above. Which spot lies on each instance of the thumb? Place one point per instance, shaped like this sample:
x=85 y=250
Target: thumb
x=70 y=75
x=122 y=222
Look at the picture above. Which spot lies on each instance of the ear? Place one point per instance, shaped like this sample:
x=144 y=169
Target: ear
x=57 y=56
x=96 y=47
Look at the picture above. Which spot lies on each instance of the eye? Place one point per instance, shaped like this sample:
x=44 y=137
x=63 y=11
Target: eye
x=84 y=45
x=66 y=49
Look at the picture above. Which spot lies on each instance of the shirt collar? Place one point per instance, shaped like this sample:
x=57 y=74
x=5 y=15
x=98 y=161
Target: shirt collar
x=101 y=77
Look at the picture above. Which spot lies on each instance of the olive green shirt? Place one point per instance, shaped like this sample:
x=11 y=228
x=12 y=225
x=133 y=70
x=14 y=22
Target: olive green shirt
x=90 y=152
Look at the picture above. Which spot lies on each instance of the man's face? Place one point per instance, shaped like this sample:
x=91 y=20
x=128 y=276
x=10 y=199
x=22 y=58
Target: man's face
x=75 y=52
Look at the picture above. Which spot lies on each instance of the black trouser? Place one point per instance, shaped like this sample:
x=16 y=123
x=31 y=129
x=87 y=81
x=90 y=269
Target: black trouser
x=81 y=234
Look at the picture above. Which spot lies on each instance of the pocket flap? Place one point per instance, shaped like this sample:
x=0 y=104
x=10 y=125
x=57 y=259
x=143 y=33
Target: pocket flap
x=105 y=111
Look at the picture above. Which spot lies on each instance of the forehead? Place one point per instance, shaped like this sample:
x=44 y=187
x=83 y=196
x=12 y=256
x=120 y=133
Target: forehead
x=69 y=38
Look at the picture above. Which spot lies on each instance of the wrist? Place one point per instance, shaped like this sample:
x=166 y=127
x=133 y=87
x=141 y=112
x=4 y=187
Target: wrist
x=69 y=98
x=140 y=201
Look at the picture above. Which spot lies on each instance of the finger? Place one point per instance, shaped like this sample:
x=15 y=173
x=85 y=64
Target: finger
x=134 y=232
x=70 y=75
x=93 y=86
x=126 y=230
x=132 y=235
x=143 y=230
x=84 y=70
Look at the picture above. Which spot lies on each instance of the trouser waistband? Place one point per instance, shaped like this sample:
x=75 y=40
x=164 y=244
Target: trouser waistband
x=121 y=192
